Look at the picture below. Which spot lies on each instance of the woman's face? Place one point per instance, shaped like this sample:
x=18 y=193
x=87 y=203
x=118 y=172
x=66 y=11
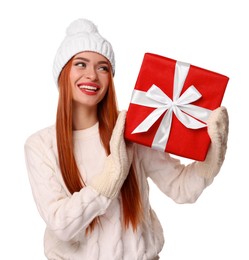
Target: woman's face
x=89 y=77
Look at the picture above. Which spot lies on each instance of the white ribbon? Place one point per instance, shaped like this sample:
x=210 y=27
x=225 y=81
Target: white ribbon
x=180 y=106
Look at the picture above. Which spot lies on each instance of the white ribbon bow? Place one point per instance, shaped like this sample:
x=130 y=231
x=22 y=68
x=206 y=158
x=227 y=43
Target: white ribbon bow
x=180 y=106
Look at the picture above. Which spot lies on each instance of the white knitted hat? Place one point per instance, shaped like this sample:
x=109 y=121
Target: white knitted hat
x=81 y=35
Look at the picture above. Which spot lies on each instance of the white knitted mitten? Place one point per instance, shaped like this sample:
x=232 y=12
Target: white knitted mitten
x=218 y=124
x=117 y=164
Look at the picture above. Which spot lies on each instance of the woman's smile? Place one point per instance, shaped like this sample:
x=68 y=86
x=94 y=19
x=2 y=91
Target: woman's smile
x=89 y=88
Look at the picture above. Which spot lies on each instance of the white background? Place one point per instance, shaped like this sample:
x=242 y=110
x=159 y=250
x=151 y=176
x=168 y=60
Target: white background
x=211 y=34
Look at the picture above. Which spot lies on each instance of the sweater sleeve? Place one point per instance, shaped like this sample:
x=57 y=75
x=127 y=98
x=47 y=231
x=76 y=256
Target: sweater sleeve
x=64 y=214
x=182 y=183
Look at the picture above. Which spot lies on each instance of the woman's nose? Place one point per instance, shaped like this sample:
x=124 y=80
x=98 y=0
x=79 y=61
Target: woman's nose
x=90 y=73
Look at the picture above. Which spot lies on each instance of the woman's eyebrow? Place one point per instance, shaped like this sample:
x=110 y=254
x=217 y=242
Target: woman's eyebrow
x=80 y=58
x=102 y=61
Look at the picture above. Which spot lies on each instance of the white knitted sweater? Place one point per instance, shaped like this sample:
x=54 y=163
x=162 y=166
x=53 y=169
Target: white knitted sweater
x=67 y=216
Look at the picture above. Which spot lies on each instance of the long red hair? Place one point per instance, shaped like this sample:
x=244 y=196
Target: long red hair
x=107 y=116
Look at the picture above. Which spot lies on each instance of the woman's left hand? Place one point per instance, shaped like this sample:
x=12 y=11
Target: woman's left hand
x=218 y=125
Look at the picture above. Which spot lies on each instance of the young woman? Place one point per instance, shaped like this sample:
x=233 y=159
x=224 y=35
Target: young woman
x=89 y=184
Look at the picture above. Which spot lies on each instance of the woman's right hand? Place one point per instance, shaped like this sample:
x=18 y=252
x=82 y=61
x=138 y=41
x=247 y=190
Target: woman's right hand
x=117 y=164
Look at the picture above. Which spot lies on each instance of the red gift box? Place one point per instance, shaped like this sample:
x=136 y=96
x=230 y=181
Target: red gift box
x=170 y=105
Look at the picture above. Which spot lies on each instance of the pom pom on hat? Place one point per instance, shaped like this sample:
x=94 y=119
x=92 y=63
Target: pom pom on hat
x=81 y=26
x=81 y=35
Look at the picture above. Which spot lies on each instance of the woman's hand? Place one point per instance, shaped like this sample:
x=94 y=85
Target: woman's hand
x=218 y=125
x=117 y=164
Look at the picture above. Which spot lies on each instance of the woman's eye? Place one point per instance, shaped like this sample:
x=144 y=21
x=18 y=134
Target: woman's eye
x=80 y=64
x=104 y=68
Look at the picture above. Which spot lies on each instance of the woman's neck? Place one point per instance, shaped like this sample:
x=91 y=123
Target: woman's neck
x=84 y=117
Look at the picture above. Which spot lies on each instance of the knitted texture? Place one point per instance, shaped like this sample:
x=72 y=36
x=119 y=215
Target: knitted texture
x=68 y=215
x=117 y=164
x=218 y=126
x=81 y=35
